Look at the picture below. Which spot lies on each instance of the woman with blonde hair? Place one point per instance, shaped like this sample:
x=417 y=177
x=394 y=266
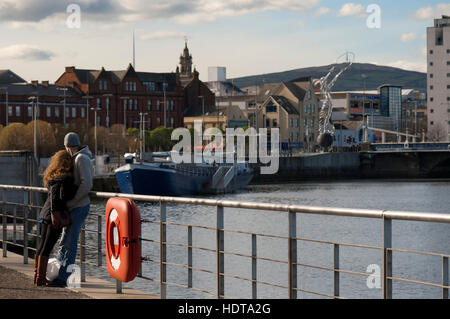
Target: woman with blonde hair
x=59 y=180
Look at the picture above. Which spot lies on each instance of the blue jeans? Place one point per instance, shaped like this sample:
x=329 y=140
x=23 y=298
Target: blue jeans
x=69 y=241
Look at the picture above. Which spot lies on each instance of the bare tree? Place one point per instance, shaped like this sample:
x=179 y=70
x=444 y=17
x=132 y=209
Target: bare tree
x=436 y=133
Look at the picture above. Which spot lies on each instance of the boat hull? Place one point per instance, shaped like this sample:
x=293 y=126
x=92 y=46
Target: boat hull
x=165 y=181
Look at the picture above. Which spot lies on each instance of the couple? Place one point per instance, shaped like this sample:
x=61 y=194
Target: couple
x=68 y=179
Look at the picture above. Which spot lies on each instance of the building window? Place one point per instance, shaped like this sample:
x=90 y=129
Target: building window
x=125 y=104
x=158 y=103
x=105 y=85
x=431 y=111
x=431 y=75
x=49 y=111
x=158 y=121
x=30 y=111
x=172 y=105
x=17 y=110
x=126 y=86
x=100 y=84
x=431 y=87
x=149 y=105
x=67 y=112
x=107 y=103
x=431 y=51
x=431 y=123
x=291 y=122
x=10 y=111
x=130 y=105
x=135 y=104
x=274 y=123
x=74 y=112
x=431 y=99
x=83 y=112
x=98 y=103
x=431 y=63
x=172 y=121
x=56 y=111
x=312 y=123
x=448 y=86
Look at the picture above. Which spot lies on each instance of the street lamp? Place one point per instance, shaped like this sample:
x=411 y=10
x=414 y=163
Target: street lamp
x=107 y=108
x=64 y=89
x=7 y=106
x=203 y=110
x=33 y=99
x=142 y=133
x=124 y=98
x=95 y=109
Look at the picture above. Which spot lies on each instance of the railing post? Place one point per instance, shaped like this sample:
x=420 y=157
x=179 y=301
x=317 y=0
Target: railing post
x=162 y=249
x=189 y=256
x=25 y=235
x=140 y=248
x=99 y=240
x=254 y=268
x=15 y=227
x=220 y=256
x=292 y=255
x=336 y=270
x=83 y=252
x=387 y=258
x=118 y=286
x=4 y=233
x=444 y=277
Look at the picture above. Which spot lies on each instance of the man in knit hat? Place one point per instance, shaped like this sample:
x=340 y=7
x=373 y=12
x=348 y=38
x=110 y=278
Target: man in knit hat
x=78 y=206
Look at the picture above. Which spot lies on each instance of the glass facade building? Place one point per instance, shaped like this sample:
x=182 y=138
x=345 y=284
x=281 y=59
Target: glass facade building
x=391 y=103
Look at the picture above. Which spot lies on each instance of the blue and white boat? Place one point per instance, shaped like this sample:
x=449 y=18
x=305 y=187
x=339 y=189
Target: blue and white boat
x=166 y=178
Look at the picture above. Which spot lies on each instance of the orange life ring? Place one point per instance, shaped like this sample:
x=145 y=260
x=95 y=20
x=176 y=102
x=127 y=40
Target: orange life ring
x=123 y=250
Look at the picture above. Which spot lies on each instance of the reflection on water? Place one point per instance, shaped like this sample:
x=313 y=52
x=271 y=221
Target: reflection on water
x=430 y=196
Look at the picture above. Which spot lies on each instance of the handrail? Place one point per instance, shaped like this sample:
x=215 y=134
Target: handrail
x=350 y=212
x=292 y=262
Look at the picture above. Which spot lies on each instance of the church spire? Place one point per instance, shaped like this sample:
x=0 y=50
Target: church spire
x=186 y=62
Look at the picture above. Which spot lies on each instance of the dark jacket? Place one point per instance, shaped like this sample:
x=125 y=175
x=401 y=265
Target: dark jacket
x=60 y=191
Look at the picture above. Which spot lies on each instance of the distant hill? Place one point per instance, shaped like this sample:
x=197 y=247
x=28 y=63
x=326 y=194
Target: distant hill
x=350 y=80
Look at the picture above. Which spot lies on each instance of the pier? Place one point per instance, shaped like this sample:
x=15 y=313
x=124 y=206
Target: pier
x=221 y=255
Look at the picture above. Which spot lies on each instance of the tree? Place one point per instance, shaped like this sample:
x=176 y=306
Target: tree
x=436 y=133
x=102 y=136
x=13 y=137
x=45 y=138
x=116 y=142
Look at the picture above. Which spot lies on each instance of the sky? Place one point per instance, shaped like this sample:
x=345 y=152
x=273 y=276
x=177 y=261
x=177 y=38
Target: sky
x=40 y=37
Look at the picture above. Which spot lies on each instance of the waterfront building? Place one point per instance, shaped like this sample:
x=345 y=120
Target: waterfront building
x=293 y=108
x=438 y=79
x=19 y=100
x=120 y=96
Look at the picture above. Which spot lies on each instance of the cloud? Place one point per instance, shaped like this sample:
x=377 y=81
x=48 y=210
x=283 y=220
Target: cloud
x=322 y=11
x=160 y=35
x=116 y=11
x=406 y=37
x=409 y=65
x=432 y=12
x=352 y=9
x=25 y=52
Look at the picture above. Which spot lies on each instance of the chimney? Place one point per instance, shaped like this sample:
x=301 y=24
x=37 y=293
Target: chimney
x=70 y=69
x=44 y=83
x=34 y=82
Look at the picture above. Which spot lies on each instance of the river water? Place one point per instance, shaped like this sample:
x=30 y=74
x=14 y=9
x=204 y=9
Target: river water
x=421 y=196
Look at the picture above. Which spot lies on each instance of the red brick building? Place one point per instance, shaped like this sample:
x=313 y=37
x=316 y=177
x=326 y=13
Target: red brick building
x=120 y=96
x=18 y=99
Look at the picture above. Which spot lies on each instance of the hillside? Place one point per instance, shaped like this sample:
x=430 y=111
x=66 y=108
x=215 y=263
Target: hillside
x=350 y=80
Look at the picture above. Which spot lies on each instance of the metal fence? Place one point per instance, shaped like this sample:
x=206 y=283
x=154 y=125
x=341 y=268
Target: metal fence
x=291 y=263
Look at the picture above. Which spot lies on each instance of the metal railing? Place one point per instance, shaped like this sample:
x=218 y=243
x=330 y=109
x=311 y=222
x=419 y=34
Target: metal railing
x=291 y=263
